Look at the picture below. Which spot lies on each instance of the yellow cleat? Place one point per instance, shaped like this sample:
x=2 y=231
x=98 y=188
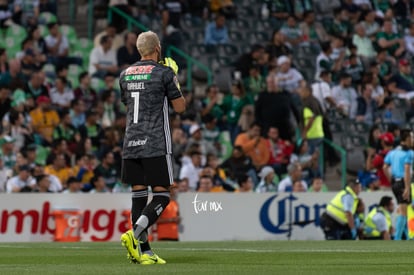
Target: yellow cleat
x=151 y=259
x=131 y=244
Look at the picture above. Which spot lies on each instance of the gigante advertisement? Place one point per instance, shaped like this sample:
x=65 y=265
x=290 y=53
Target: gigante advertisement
x=205 y=216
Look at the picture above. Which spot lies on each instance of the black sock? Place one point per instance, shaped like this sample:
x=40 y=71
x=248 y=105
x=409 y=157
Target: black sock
x=145 y=246
x=139 y=201
x=151 y=213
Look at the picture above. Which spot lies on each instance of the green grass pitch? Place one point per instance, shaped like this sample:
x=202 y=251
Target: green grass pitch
x=253 y=258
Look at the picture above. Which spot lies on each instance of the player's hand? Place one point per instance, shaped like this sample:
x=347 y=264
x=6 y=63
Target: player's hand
x=169 y=62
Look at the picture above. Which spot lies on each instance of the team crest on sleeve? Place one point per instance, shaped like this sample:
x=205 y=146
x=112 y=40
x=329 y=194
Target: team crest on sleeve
x=177 y=84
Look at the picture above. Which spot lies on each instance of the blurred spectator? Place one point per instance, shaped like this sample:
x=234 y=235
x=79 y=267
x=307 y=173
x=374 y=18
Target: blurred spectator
x=280 y=151
x=345 y=96
x=98 y=185
x=77 y=112
x=300 y=7
x=324 y=62
x=18 y=130
x=211 y=134
x=55 y=184
x=325 y=8
x=401 y=83
x=111 y=142
x=179 y=143
x=402 y=11
x=387 y=144
x=108 y=99
x=42 y=184
x=247 y=60
x=44 y=120
x=190 y=170
x=84 y=167
x=22 y=181
x=171 y=13
x=322 y=91
x=5 y=174
x=59 y=168
x=48 y=6
x=5 y=14
x=313 y=31
x=65 y=130
x=317 y=185
x=216 y=180
x=370 y=25
x=17 y=104
x=29 y=64
x=111 y=31
x=74 y=186
x=372 y=77
x=183 y=185
x=279 y=11
x=4 y=62
x=39 y=43
x=5 y=101
x=277 y=47
x=205 y=184
x=294 y=174
x=353 y=8
x=255 y=83
x=365 y=47
x=292 y=31
x=58 y=47
x=102 y=59
x=225 y=7
x=196 y=137
x=308 y=161
x=35 y=88
x=367 y=107
x=298 y=187
x=193 y=107
x=245 y=184
x=409 y=40
x=26 y=12
x=340 y=26
x=253 y=145
x=233 y=105
x=107 y=169
x=288 y=78
x=61 y=95
x=218 y=174
x=216 y=32
x=8 y=152
x=14 y=77
x=128 y=54
x=266 y=183
x=275 y=108
x=91 y=129
x=389 y=40
x=211 y=103
x=85 y=92
x=385 y=64
x=239 y=164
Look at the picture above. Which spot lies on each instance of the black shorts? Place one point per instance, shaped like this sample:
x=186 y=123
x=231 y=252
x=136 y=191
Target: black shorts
x=155 y=171
x=398 y=187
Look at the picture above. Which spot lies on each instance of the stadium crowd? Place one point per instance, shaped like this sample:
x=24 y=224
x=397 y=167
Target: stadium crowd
x=326 y=62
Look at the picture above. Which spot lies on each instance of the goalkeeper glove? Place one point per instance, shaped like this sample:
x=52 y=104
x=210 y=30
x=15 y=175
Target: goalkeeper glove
x=169 y=62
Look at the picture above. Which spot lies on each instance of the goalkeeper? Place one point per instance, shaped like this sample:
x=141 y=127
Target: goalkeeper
x=146 y=89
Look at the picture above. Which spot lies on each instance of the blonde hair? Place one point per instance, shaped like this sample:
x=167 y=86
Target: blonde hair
x=147 y=42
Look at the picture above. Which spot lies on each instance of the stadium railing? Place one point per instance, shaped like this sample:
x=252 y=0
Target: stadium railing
x=190 y=61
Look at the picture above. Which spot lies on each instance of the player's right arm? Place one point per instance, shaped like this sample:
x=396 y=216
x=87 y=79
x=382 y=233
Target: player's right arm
x=178 y=104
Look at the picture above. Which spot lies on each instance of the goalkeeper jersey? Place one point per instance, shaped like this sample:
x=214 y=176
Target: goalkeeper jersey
x=146 y=89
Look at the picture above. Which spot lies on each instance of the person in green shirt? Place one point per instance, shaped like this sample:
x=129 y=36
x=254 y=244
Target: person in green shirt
x=389 y=40
x=232 y=107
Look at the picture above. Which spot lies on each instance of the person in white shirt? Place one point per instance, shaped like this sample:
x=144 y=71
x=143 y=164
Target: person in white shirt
x=5 y=174
x=61 y=95
x=409 y=40
x=288 y=78
x=22 y=181
x=365 y=48
x=191 y=170
x=345 y=96
x=102 y=59
x=323 y=92
x=295 y=174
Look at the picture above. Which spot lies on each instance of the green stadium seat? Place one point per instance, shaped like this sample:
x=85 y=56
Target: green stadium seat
x=97 y=84
x=43 y=30
x=70 y=34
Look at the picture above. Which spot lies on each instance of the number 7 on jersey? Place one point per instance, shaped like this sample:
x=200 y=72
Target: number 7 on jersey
x=135 y=96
